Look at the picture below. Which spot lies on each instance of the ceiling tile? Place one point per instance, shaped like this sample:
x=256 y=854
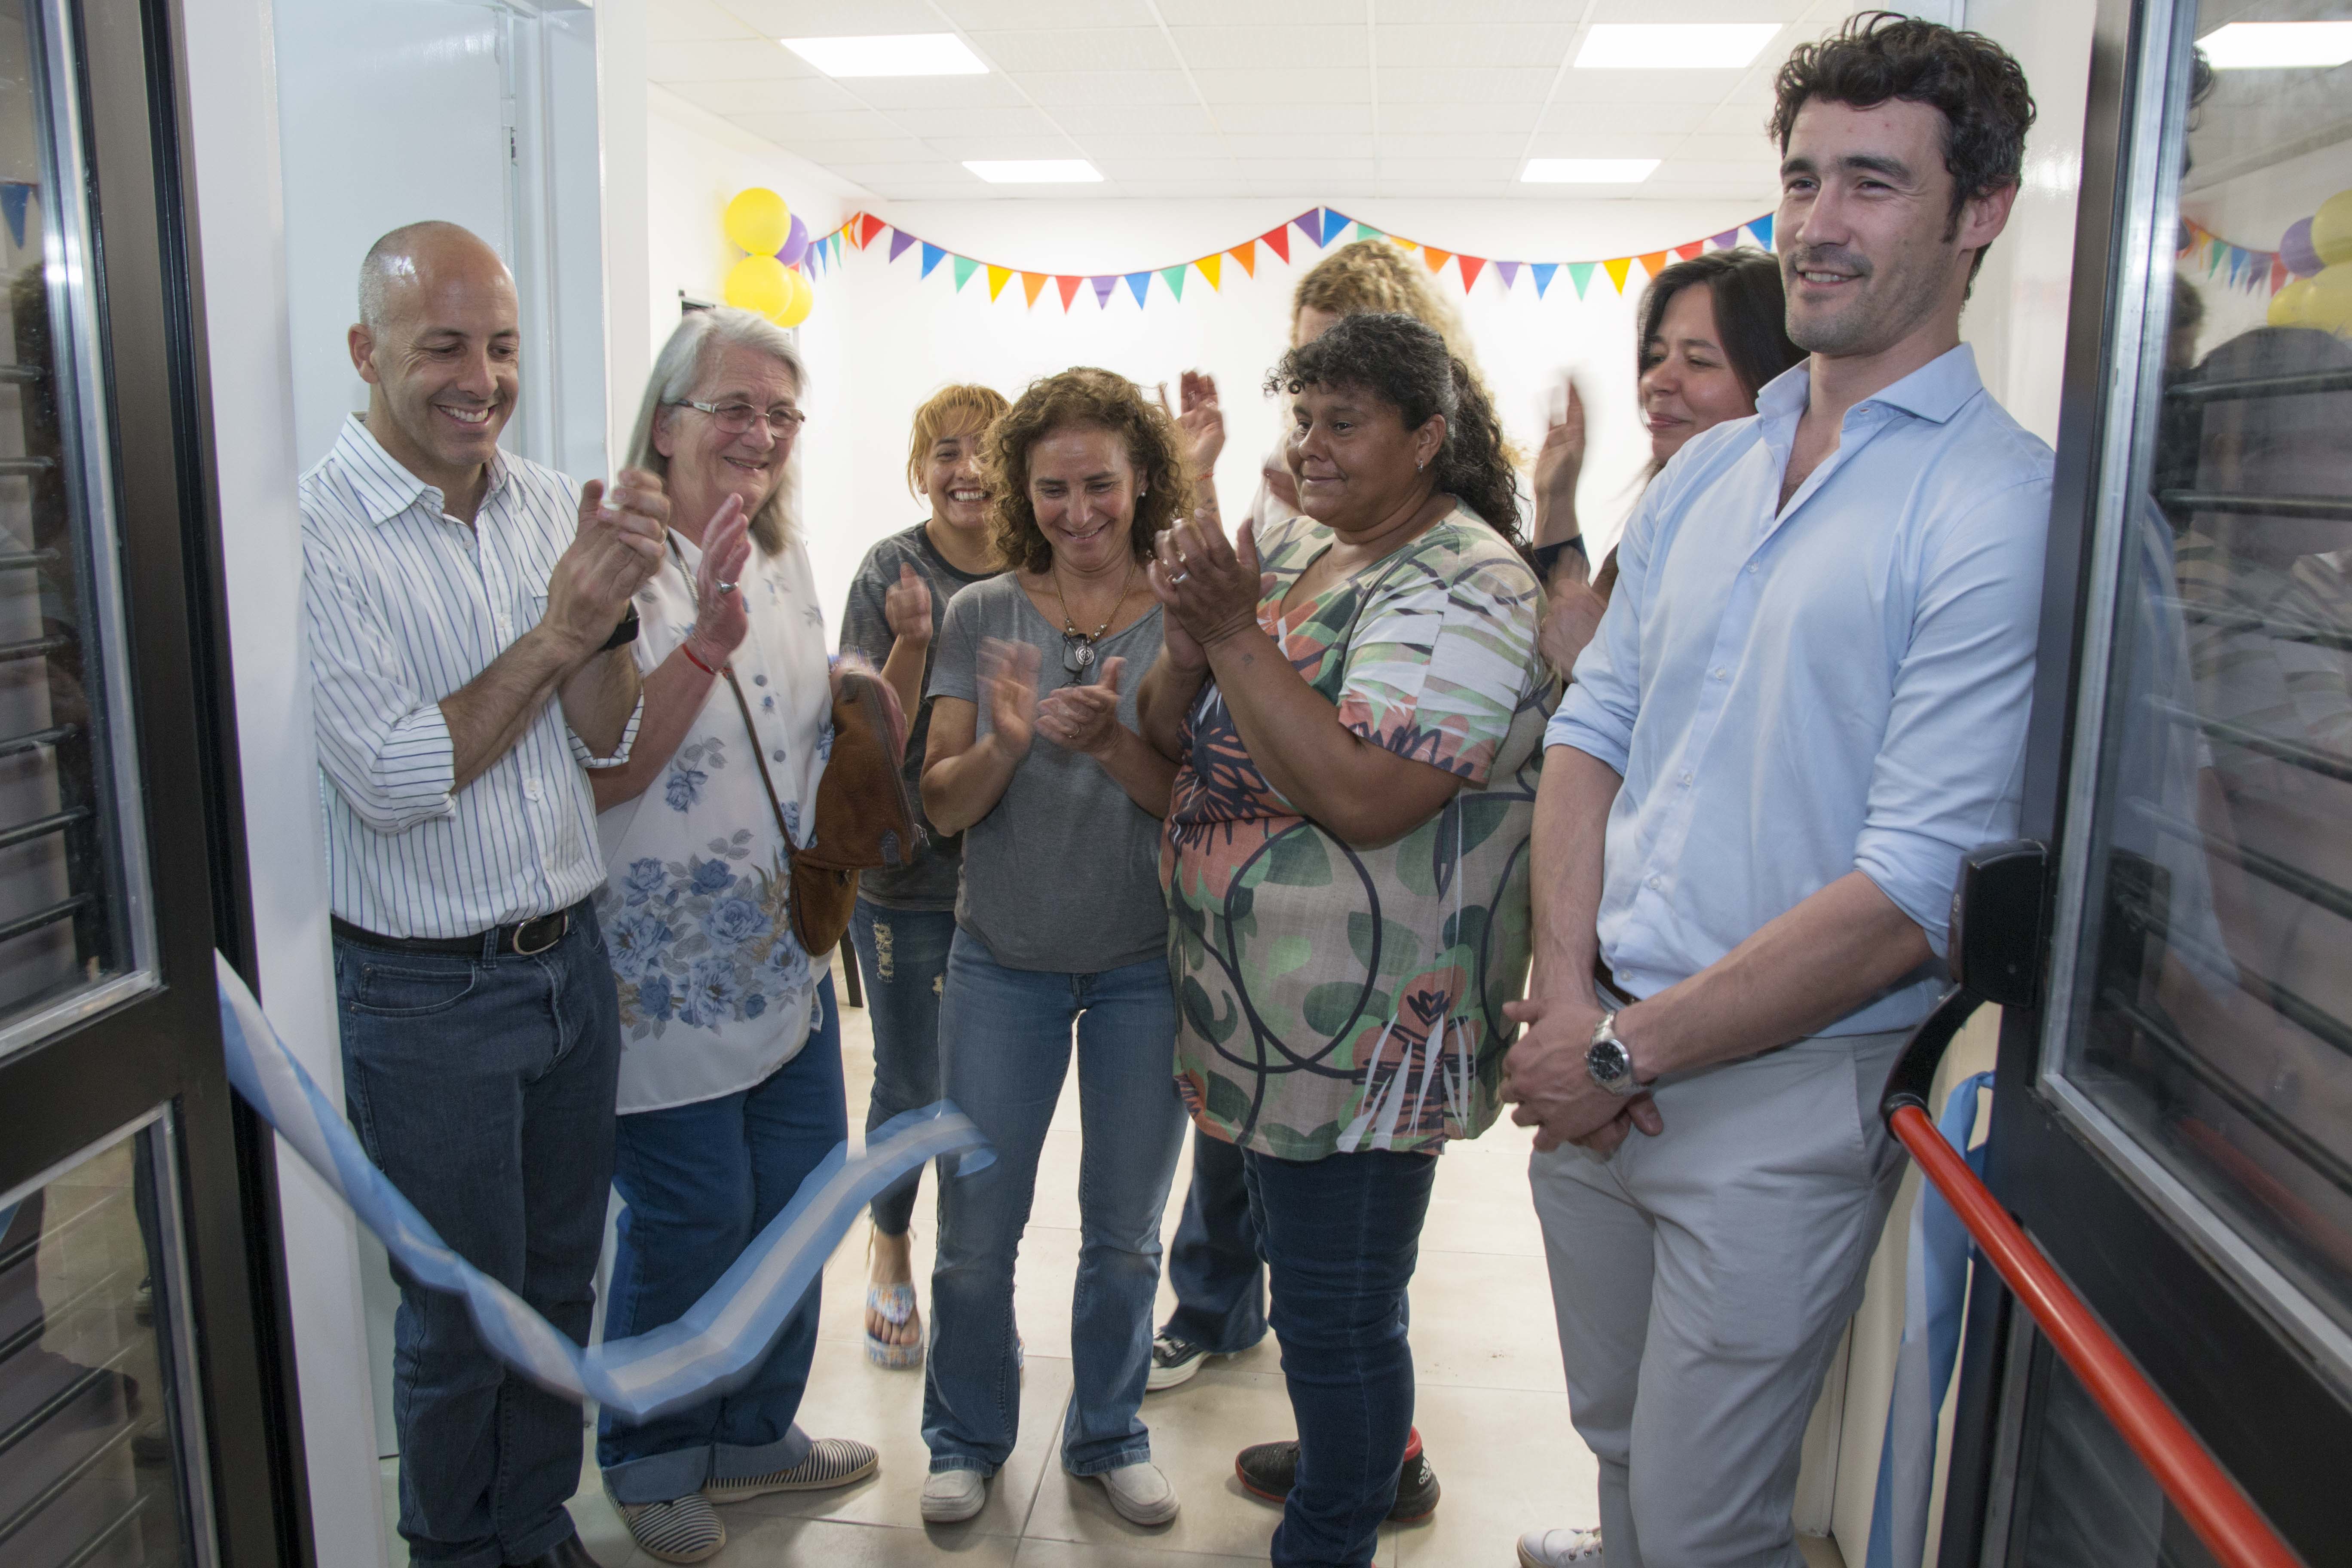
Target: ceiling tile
x=1125 y=170
x=1497 y=144
x=1443 y=188
x=1303 y=119
x=1107 y=88
x=1620 y=142
x=1661 y=87
x=1273 y=86
x=936 y=171
x=1477 y=45
x=1448 y=168
x=1739 y=176
x=1000 y=121
x=956 y=149
x=1737 y=120
x=835 y=19
x=1300 y=146
x=1134 y=118
x=1471 y=89
x=789 y=95
x=1440 y=119
x=1447 y=13
x=877 y=150
x=798 y=130
x=1752 y=147
x=1307 y=171
x=989 y=16
x=1249 y=13
x=668 y=20
x=1702 y=11
x=1248 y=48
x=1164 y=189
x=963 y=187
x=1077 y=49
x=993 y=90
x=1123 y=147
x=716 y=60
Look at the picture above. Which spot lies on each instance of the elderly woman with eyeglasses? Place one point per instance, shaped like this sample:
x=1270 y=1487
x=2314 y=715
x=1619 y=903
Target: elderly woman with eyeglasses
x=730 y=1086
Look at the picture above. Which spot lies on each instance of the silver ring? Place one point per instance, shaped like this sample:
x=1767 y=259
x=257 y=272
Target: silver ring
x=726 y=587
x=1179 y=577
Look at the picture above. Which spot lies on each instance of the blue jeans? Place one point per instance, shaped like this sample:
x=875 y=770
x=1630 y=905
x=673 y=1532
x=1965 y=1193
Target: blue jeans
x=1341 y=1234
x=701 y=1181
x=484 y=1087
x=1213 y=1264
x=903 y=953
x=1004 y=1047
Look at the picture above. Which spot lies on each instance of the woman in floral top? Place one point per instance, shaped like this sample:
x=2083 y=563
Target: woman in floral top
x=730 y=1089
x=1356 y=705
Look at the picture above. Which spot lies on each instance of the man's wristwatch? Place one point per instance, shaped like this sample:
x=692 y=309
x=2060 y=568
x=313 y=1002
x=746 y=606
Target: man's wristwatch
x=622 y=635
x=1607 y=1060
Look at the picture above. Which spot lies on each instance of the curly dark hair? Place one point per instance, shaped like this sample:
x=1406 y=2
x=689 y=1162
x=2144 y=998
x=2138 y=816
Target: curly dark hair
x=1403 y=362
x=1081 y=399
x=1972 y=80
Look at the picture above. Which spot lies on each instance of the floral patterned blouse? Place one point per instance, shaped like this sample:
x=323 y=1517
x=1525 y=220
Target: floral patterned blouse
x=716 y=994
x=1334 y=999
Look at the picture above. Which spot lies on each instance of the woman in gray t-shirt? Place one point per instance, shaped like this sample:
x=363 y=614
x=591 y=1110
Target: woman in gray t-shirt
x=1034 y=758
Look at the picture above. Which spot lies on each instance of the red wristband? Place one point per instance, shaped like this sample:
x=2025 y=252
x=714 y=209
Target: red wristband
x=688 y=650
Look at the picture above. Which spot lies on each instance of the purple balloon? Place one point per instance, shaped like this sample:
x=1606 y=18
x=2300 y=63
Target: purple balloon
x=796 y=243
x=2295 y=249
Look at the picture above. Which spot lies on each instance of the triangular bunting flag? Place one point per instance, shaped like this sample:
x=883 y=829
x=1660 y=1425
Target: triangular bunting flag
x=14 y=196
x=1310 y=224
x=1139 y=283
x=1246 y=254
x=1102 y=286
x=1030 y=283
x=964 y=268
x=1654 y=263
x=1616 y=268
x=871 y=225
x=1762 y=230
x=1277 y=240
x=1069 y=288
x=1725 y=240
x=1580 y=274
x=899 y=240
x=1334 y=225
x=1471 y=267
x=1366 y=231
x=1209 y=266
x=1508 y=271
x=997 y=278
x=2278 y=273
x=1174 y=278
x=1693 y=248
x=1435 y=258
x=1542 y=271
x=933 y=255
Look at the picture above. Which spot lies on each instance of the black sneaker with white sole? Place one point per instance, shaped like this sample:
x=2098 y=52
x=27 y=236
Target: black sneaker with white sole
x=1269 y=1471
x=1174 y=1360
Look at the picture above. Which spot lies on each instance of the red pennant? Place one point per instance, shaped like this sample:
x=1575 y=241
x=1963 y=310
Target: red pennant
x=1277 y=240
x=868 y=226
x=2278 y=273
x=1471 y=266
x=1435 y=258
x=1069 y=288
x=1693 y=248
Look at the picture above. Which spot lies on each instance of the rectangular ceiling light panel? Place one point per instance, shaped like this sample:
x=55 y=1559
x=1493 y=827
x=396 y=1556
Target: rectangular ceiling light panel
x=1673 y=46
x=1034 y=171
x=1588 y=170
x=2277 y=45
x=891 y=54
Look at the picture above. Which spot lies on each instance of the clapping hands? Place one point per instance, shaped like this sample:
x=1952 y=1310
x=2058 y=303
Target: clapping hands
x=1084 y=717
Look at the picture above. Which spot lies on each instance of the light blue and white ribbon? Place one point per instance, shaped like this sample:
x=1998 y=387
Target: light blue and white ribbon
x=723 y=1337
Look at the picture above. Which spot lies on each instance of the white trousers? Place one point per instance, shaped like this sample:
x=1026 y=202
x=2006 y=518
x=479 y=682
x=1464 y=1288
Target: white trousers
x=1702 y=1279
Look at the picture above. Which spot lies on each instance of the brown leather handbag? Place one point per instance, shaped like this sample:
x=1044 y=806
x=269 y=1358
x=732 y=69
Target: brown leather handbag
x=865 y=818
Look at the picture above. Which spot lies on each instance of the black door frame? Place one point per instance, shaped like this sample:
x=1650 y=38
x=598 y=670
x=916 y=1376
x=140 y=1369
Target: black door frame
x=2201 y=1339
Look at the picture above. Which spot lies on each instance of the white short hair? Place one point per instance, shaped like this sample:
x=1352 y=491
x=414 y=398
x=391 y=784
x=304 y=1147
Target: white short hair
x=679 y=368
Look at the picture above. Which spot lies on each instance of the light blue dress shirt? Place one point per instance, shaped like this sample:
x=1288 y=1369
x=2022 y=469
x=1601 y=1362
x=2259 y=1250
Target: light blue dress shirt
x=1839 y=685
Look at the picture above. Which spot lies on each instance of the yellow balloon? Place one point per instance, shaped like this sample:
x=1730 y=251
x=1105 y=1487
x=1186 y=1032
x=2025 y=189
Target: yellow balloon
x=759 y=221
x=759 y=283
x=2289 y=303
x=796 y=308
x=2331 y=229
x=2328 y=306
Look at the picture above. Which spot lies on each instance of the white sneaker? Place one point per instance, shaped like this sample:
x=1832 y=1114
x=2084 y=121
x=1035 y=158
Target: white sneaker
x=1140 y=1493
x=1551 y=1548
x=951 y=1497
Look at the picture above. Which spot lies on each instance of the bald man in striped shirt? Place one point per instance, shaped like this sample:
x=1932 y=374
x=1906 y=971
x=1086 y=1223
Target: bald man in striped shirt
x=468 y=616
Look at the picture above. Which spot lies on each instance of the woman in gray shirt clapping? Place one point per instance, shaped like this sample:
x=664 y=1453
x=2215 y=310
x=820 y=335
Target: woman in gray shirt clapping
x=1060 y=920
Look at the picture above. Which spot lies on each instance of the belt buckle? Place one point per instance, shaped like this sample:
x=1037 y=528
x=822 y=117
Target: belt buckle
x=562 y=918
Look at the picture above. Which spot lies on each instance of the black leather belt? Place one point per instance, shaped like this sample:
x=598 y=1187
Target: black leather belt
x=520 y=940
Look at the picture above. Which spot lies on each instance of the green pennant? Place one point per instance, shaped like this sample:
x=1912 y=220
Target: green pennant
x=1174 y=278
x=1366 y=231
x=1580 y=273
x=964 y=268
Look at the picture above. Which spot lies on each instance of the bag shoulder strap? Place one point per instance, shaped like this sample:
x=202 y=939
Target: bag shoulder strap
x=750 y=731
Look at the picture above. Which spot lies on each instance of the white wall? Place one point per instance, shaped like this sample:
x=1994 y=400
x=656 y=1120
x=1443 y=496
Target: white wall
x=240 y=221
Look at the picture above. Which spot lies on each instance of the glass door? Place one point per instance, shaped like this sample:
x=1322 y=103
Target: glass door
x=144 y=1411
x=2174 y=1124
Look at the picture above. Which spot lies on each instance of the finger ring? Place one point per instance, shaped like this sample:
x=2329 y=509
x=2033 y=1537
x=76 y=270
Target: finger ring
x=1179 y=577
x=726 y=587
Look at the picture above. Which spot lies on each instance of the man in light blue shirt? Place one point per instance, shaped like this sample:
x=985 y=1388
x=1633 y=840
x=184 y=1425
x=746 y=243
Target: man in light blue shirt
x=1808 y=699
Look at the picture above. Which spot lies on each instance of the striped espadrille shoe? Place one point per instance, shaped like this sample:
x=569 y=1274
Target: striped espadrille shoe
x=683 y=1530
x=831 y=1462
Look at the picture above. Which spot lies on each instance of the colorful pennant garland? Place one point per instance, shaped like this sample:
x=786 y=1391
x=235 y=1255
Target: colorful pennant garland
x=1323 y=226
x=2239 y=266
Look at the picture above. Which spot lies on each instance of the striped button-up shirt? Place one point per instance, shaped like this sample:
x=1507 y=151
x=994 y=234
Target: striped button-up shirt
x=406 y=605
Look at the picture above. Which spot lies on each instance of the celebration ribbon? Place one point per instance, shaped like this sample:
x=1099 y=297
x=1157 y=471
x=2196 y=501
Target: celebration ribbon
x=723 y=1337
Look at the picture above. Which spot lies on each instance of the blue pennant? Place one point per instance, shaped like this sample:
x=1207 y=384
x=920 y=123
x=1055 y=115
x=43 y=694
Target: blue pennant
x=1543 y=271
x=932 y=257
x=1140 y=282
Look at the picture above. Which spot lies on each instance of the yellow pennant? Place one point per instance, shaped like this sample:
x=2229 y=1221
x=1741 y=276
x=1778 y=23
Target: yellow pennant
x=1210 y=266
x=1617 y=270
x=996 y=277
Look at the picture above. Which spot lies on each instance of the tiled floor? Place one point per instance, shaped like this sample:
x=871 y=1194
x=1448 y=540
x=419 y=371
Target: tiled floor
x=1491 y=1406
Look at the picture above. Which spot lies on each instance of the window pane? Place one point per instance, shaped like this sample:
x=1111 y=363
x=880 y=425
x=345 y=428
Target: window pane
x=2214 y=1006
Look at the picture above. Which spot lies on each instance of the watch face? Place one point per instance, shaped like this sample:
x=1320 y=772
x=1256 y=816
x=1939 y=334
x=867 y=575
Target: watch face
x=1608 y=1062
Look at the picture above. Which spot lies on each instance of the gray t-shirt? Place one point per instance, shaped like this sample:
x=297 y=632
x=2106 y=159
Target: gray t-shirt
x=930 y=882
x=1064 y=875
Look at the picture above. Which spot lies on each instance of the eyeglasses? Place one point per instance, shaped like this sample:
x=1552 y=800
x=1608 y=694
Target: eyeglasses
x=783 y=420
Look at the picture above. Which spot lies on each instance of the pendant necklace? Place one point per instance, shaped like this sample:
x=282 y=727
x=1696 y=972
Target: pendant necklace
x=1077 y=647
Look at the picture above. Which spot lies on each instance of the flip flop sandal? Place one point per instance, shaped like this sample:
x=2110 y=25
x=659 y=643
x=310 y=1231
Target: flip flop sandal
x=896 y=1303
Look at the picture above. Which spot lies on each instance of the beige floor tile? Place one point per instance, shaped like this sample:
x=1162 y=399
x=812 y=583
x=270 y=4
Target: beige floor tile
x=1037 y=1553
x=1485 y=1320
x=778 y=1541
x=1507 y=1461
